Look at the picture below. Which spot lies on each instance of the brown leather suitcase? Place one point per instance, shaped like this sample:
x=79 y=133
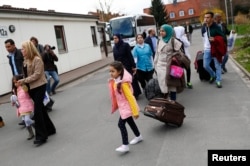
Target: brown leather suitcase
x=166 y=111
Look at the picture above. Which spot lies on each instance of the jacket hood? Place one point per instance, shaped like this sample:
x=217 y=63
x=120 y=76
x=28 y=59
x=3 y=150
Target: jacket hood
x=179 y=31
x=126 y=77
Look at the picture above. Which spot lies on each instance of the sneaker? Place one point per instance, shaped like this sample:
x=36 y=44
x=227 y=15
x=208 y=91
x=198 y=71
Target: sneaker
x=224 y=69
x=189 y=85
x=212 y=79
x=218 y=84
x=122 y=148
x=136 y=140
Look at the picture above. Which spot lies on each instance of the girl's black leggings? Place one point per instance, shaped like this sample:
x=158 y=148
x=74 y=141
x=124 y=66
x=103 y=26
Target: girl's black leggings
x=124 y=133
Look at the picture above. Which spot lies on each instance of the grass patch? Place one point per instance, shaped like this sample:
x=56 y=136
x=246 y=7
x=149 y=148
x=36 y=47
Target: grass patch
x=242 y=55
x=240 y=29
x=243 y=58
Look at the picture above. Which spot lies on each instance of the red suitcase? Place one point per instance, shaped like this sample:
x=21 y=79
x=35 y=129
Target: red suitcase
x=165 y=111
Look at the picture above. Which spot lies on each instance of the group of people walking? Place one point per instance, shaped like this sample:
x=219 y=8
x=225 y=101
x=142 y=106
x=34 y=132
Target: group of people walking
x=152 y=55
x=32 y=66
x=139 y=65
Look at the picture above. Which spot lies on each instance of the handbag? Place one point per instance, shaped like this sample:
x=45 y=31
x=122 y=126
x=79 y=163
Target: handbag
x=46 y=98
x=176 y=71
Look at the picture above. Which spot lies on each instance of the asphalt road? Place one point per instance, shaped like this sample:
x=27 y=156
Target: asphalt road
x=87 y=133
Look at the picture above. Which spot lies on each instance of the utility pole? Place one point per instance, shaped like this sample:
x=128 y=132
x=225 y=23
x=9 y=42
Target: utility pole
x=226 y=11
x=232 y=15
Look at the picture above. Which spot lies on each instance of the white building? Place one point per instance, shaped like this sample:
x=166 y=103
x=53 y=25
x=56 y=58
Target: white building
x=75 y=36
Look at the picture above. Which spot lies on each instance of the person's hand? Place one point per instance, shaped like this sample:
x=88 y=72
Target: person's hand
x=134 y=70
x=21 y=81
x=136 y=116
x=211 y=39
x=233 y=31
x=51 y=52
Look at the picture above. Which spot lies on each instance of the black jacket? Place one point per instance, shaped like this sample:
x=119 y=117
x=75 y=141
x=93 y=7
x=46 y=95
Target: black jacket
x=148 y=40
x=48 y=59
x=124 y=55
x=18 y=58
x=190 y=29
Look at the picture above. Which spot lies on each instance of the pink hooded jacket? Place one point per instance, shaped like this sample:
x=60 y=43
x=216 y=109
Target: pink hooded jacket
x=125 y=102
x=26 y=103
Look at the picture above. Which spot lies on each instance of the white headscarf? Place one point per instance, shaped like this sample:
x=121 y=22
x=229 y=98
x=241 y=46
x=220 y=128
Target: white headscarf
x=179 y=31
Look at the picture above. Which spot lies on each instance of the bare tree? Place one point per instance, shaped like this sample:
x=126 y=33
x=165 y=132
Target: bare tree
x=105 y=9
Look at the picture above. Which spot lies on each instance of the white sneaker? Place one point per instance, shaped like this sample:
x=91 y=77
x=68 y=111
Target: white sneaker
x=122 y=148
x=136 y=140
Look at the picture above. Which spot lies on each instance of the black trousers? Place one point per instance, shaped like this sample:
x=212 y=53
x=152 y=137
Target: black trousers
x=144 y=76
x=135 y=84
x=123 y=129
x=43 y=125
x=188 y=73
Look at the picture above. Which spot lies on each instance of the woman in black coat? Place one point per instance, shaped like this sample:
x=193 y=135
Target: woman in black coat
x=122 y=53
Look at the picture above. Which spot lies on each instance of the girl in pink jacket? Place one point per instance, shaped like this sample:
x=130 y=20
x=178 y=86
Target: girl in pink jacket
x=23 y=103
x=122 y=98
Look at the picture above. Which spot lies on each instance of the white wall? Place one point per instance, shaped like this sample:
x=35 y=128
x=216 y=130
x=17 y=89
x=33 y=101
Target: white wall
x=78 y=40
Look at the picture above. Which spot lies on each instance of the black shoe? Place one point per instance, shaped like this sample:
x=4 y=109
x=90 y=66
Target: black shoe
x=39 y=142
x=212 y=79
x=53 y=92
x=21 y=123
x=224 y=69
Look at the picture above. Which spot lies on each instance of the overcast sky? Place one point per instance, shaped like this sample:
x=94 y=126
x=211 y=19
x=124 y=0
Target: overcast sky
x=82 y=6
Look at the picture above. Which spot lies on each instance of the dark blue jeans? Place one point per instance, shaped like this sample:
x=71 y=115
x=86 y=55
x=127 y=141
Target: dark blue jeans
x=224 y=61
x=55 y=77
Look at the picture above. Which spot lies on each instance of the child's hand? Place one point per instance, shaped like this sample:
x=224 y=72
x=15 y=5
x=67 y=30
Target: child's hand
x=136 y=116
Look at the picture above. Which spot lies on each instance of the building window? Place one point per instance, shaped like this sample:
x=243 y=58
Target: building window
x=171 y=15
x=93 y=33
x=190 y=11
x=60 y=39
x=181 y=13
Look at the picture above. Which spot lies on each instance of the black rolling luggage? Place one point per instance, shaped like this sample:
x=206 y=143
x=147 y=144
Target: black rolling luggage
x=165 y=111
x=203 y=74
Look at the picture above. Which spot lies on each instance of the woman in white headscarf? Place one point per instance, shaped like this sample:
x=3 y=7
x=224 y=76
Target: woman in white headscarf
x=180 y=34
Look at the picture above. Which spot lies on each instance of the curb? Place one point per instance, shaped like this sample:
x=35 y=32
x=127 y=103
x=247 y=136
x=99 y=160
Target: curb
x=73 y=75
x=240 y=67
x=80 y=76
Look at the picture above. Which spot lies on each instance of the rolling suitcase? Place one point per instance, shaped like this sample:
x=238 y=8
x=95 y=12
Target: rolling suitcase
x=165 y=111
x=203 y=74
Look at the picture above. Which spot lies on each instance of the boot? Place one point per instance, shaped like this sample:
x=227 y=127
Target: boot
x=1 y=122
x=31 y=134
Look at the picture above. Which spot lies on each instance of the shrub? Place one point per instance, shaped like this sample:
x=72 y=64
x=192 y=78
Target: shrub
x=241 y=19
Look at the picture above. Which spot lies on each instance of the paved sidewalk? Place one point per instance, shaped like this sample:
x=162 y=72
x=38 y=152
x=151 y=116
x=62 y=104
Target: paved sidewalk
x=73 y=75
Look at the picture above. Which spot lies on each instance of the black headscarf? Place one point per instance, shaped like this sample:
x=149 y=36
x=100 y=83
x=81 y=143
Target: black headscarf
x=120 y=42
